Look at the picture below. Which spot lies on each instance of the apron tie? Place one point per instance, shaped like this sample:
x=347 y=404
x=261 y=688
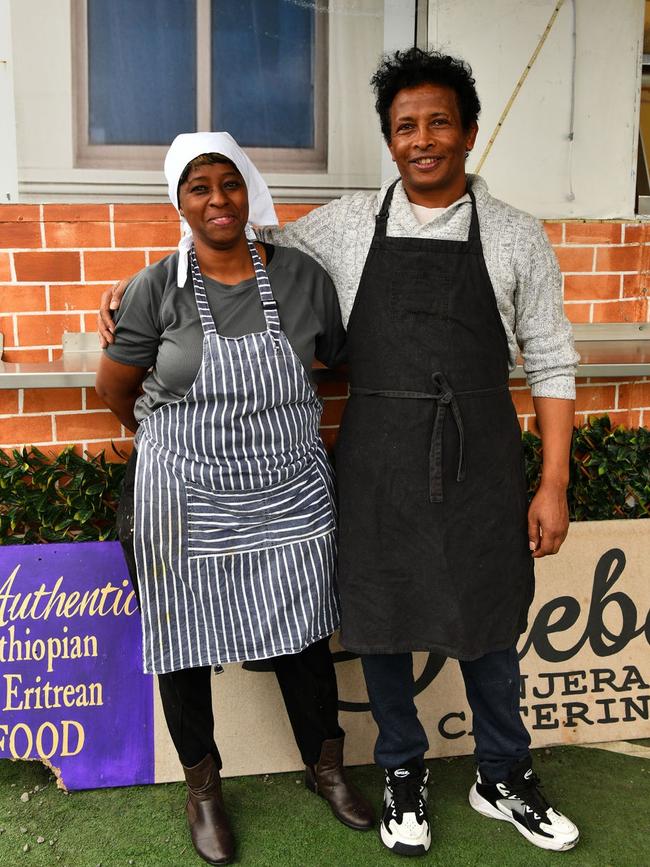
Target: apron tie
x=444 y=396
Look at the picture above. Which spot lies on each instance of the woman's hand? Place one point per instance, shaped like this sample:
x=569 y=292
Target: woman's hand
x=110 y=301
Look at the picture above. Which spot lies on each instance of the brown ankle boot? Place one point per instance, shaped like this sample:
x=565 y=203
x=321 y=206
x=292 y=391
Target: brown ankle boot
x=206 y=814
x=327 y=779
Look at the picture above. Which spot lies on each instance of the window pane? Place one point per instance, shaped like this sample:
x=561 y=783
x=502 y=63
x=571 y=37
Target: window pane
x=141 y=70
x=263 y=72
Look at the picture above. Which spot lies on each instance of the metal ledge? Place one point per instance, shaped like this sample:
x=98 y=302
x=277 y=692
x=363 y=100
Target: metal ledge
x=617 y=350
x=77 y=367
x=620 y=349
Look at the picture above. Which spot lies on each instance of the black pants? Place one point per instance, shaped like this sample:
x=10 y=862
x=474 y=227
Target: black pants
x=307 y=680
x=492 y=687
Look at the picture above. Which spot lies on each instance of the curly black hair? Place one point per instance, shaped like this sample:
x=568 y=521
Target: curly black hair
x=413 y=67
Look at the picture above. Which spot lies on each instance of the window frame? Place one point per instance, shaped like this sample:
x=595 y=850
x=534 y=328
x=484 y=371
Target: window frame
x=148 y=157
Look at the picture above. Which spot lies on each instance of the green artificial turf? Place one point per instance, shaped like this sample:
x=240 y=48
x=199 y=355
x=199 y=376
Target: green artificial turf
x=278 y=822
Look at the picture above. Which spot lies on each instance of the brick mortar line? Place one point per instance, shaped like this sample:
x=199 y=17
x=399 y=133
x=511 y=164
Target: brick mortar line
x=101 y=221
x=42 y=225
x=597 y=221
x=111 y=280
x=61 y=311
x=38 y=346
x=90 y=282
x=61 y=443
x=639 y=409
x=601 y=300
x=599 y=245
x=562 y=245
x=28 y=415
x=87 y=249
x=609 y=383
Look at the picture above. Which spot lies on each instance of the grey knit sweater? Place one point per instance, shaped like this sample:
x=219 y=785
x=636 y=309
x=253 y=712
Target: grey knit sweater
x=520 y=261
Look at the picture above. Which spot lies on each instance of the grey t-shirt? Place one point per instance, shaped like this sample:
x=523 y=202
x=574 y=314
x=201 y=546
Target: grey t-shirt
x=158 y=325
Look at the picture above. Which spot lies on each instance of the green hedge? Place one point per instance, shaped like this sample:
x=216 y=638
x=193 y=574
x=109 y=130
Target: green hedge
x=70 y=498
x=63 y=499
x=609 y=471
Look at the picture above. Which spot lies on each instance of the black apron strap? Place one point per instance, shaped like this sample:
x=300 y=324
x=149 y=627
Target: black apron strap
x=474 y=236
x=381 y=220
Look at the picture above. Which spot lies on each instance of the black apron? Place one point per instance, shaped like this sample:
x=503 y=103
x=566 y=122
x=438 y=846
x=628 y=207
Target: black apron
x=433 y=542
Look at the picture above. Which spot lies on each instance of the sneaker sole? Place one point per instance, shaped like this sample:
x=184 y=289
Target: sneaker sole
x=403 y=848
x=485 y=808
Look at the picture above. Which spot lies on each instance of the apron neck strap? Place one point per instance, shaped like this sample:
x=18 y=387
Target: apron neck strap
x=474 y=236
x=207 y=321
x=381 y=219
x=269 y=306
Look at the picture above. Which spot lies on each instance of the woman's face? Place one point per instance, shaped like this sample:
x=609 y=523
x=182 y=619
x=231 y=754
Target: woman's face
x=214 y=201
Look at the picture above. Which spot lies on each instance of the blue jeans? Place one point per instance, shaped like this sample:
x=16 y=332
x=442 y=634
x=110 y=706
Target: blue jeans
x=492 y=687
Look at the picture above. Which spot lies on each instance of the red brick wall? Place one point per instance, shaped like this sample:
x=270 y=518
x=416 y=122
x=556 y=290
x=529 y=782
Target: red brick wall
x=55 y=261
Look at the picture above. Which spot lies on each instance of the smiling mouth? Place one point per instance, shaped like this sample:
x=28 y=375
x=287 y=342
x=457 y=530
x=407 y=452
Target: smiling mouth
x=224 y=220
x=426 y=162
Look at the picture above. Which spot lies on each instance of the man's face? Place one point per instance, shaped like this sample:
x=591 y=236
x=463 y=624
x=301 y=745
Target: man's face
x=428 y=144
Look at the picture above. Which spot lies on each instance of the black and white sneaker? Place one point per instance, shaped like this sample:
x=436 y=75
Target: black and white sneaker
x=404 y=825
x=518 y=800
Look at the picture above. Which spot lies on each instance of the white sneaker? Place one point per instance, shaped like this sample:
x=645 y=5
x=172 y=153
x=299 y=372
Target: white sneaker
x=518 y=800
x=404 y=826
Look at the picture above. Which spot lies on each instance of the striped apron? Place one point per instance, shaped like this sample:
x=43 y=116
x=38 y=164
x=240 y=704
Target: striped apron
x=235 y=525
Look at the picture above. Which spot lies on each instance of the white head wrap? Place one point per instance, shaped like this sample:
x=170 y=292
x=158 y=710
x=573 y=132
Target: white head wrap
x=187 y=147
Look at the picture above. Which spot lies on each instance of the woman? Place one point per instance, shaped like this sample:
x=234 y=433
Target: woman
x=227 y=517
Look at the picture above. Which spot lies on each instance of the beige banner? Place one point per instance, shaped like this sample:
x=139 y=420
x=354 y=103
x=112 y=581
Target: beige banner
x=585 y=669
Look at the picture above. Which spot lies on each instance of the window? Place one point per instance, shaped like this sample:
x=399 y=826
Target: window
x=149 y=69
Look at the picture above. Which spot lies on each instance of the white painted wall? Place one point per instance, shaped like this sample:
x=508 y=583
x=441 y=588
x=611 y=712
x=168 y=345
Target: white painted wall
x=8 y=169
x=399 y=33
x=529 y=162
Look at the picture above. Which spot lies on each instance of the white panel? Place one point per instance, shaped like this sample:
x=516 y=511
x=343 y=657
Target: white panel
x=42 y=73
x=8 y=168
x=356 y=39
x=399 y=33
x=529 y=163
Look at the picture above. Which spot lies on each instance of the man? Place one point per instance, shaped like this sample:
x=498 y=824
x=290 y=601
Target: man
x=439 y=283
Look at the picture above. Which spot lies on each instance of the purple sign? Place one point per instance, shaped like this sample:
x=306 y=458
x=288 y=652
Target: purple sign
x=72 y=691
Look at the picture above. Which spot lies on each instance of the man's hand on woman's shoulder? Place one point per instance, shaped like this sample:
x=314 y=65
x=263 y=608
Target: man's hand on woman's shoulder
x=109 y=302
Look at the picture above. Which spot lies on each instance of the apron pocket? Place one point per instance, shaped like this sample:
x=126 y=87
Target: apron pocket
x=418 y=292
x=222 y=523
